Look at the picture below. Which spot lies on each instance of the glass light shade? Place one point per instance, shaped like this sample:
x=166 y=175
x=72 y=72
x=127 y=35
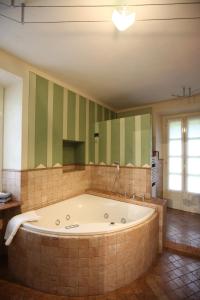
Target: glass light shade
x=123 y=19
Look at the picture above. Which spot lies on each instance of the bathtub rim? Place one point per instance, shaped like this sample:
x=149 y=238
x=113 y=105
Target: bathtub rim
x=120 y=227
x=93 y=235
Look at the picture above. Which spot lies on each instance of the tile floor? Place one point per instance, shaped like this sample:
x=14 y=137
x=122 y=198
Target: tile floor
x=173 y=277
x=183 y=227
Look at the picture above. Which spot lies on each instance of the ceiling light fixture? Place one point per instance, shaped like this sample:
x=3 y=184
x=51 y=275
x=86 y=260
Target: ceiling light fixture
x=122 y=18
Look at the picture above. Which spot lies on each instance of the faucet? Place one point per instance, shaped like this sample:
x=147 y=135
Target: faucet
x=141 y=196
x=133 y=196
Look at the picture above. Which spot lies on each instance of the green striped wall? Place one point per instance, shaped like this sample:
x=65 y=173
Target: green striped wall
x=56 y=113
x=41 y=114
x=135 y=112
x=57 y=124
x=125 y=140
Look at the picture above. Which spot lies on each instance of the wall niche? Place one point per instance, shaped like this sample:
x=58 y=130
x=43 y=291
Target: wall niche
x=73 y=155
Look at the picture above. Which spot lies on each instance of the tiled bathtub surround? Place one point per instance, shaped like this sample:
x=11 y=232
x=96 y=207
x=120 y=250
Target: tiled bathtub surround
x=159 y=204
x=90 y=265
x=11 y=182
x=172 y=277
x=45 y=187
x=128 y=180
x=41 y=187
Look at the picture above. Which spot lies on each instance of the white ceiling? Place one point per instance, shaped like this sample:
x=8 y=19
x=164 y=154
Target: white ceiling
x=145 y=64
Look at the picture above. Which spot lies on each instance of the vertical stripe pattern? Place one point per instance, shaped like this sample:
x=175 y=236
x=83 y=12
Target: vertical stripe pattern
x=102 y=142
x=56 y=114
x=87 y=133
x=50 y=124
x=108 y=142
x=77 y=119
x=96 y=144
x=138 y=140
x=41 y=111
x=71 y=115
x=31 y=118
x=65 y=114
x=82 y=119
x=126 y=140
x=91 y=131
x=115 y=141
x=146 y=139
x=129 y=140
x=57 y=125
x=122 y=142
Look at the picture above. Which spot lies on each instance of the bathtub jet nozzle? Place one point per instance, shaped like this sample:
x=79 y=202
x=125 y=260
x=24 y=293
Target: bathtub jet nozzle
x=71 y=226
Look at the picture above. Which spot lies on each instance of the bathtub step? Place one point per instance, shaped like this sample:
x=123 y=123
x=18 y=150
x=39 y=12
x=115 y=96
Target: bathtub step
x=71 y=226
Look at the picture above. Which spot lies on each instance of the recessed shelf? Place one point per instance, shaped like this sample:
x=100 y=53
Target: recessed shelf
x=73 y=155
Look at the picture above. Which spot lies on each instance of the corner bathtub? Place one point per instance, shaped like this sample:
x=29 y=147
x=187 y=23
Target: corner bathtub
x=86 y=245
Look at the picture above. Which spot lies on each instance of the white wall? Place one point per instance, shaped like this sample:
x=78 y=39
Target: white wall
x=12 y=131
x=1 y=134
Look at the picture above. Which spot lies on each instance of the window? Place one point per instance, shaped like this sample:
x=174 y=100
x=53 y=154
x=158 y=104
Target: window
x=193 y=156
x=175 y=155
x=184 y=155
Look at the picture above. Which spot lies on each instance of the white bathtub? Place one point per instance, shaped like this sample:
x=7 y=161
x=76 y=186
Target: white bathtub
x=90 y=214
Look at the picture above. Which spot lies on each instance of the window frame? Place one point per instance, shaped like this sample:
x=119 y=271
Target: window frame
x=182 y=155
x=186 y=154
x=184 y=119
